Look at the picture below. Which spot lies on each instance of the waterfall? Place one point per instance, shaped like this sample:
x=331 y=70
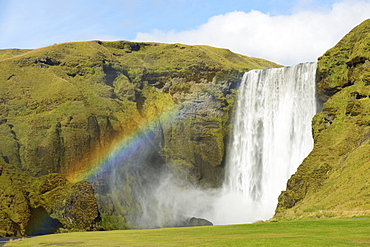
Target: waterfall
x=271 y=137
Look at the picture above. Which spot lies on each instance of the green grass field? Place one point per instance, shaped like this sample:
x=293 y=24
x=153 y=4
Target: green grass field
x=324 y=232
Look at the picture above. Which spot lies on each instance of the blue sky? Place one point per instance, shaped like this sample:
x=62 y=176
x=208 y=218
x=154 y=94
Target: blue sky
x=283 y=31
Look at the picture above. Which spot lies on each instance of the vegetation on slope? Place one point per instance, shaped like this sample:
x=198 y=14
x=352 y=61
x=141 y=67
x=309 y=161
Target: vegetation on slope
x=50 y=95
x=63 y=107
x=44 y=205
x=334 y=179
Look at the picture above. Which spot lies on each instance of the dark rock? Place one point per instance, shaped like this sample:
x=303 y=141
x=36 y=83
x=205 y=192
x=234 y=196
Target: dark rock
x=355 y=61
x=198 y=222
x=110 y=74
x=41 y=223
x=45 y=61
x=10 y=77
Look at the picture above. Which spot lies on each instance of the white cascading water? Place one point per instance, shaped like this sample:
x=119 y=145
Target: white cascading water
x=271 y=137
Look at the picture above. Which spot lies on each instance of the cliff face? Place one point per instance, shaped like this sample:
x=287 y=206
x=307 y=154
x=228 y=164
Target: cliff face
x=63 y=106
x=334 y=179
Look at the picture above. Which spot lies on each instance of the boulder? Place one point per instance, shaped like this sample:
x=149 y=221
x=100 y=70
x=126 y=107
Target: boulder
x=198 y=222
x=49 y=204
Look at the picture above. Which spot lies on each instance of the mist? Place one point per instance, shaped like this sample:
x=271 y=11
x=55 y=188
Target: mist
x=169 y=201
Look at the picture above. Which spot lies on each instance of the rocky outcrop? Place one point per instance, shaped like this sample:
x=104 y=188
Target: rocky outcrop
x=198 y=222
x=195 y=139
x=49 y=204
x=332 y=180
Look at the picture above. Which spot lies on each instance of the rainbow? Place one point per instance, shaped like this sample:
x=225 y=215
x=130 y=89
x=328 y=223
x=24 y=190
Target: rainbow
x=118 y=150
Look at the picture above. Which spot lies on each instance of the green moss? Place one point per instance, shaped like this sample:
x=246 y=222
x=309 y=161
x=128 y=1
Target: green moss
x=332 y=180
x=337 y=65
x=113 y=223
x=23 y=196
x=9 y=53
x=130 y=84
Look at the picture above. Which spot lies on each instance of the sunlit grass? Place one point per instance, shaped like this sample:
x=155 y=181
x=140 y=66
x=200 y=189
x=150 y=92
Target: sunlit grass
x=328 y=232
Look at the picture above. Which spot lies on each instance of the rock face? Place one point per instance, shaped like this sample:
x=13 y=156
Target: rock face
x=64 y=106
x=333 y=180
x=48 y=204
x=196 y=139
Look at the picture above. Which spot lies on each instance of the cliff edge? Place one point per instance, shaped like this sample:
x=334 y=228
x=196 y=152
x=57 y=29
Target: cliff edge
x=334 y=180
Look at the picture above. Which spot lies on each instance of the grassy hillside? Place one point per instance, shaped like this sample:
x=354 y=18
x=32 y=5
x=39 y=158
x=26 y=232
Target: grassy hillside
x=63 y=107
x=334 y=180
x=47 y=95
x=8 y=53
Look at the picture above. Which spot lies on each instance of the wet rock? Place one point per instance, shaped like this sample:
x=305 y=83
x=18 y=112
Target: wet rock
x=198 y=222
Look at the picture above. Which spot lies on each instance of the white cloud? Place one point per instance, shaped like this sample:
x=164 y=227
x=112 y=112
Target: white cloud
x=286 y=39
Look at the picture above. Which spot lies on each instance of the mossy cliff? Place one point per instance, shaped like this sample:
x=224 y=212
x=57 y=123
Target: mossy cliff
x=334 y=180
x=47 y=204
x=63 y=106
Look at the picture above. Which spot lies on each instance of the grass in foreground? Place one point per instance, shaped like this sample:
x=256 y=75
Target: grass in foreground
x=327 y=232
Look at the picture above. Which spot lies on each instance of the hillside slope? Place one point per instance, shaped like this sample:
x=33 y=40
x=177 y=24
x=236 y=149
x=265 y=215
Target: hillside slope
x=334 y=180
x=60 y=102
x=64 y=107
